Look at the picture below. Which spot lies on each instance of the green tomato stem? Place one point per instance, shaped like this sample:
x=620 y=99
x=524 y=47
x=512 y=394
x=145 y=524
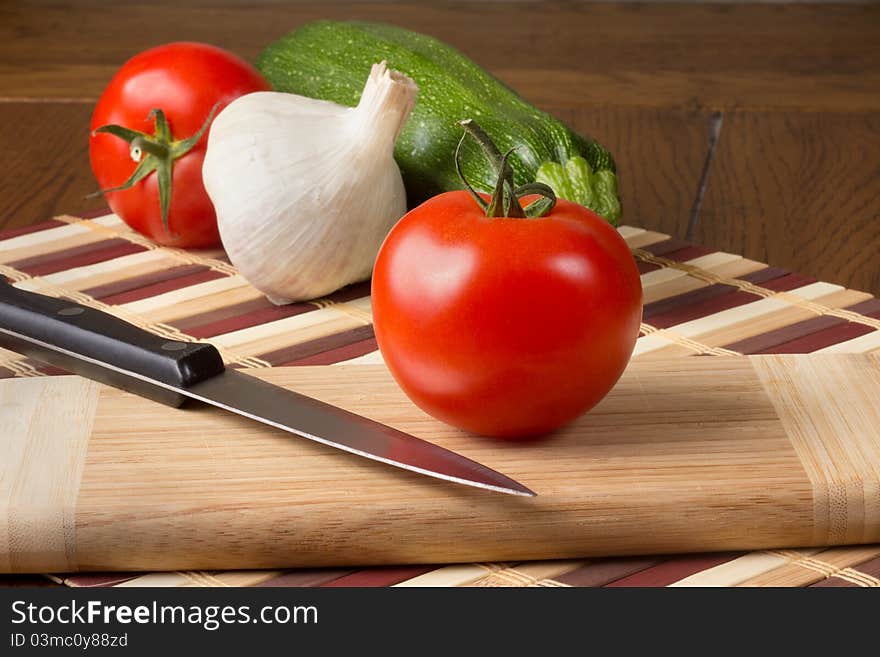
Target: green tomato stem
x=505 y=197
x=157 y=152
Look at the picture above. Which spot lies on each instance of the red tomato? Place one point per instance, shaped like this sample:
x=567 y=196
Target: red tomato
x=505 y=327
x=185 y=81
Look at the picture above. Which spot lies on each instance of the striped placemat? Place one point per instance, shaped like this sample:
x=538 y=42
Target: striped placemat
x=698 y=301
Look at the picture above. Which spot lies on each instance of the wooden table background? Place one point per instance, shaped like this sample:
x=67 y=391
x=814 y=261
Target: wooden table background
x=749 y=128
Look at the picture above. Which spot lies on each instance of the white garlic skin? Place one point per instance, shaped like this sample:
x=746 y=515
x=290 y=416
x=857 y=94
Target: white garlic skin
x=305 y=190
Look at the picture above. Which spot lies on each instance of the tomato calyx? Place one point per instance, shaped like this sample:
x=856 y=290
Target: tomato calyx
x=156 y=152
x=505 y=197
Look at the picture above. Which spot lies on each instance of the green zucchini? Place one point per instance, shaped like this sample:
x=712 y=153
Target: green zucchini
x=331 y=60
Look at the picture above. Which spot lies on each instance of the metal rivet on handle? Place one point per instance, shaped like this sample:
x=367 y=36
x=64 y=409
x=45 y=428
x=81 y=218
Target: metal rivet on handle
x=70 y=312
x=174 y=346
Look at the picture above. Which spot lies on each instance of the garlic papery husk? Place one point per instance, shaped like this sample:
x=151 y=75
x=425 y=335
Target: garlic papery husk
x=306 y=190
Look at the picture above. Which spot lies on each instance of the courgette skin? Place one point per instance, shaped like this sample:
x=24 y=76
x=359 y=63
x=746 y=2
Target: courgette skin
x=331 y=60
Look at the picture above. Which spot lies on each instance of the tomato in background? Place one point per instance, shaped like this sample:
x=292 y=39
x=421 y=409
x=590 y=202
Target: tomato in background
x=187 y=81
x=503 y=326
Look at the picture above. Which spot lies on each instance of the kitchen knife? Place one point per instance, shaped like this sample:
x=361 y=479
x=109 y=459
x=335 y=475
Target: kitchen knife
x=105 y=348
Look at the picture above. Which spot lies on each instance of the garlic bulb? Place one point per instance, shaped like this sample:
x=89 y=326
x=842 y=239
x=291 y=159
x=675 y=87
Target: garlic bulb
x=306 y=190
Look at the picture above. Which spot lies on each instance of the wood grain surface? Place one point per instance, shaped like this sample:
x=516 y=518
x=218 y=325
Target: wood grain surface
x=581 y=53
x=660 y=156
x=798 y=188
x=788 y=458
x=44 y=162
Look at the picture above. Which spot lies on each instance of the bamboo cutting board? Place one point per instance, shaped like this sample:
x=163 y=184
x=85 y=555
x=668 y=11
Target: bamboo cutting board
x=685 y=454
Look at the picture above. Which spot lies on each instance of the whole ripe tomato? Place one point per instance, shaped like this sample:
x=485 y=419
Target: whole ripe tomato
x=505 y=326
x=186 y=81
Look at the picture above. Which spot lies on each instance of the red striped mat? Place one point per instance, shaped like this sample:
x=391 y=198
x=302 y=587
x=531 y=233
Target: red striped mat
x=697 y=302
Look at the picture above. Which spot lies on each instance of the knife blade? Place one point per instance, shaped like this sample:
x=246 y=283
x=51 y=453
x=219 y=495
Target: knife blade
x=100 y=346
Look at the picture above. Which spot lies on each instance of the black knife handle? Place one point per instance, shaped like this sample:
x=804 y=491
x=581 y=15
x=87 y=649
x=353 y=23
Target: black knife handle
x=64 y=333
